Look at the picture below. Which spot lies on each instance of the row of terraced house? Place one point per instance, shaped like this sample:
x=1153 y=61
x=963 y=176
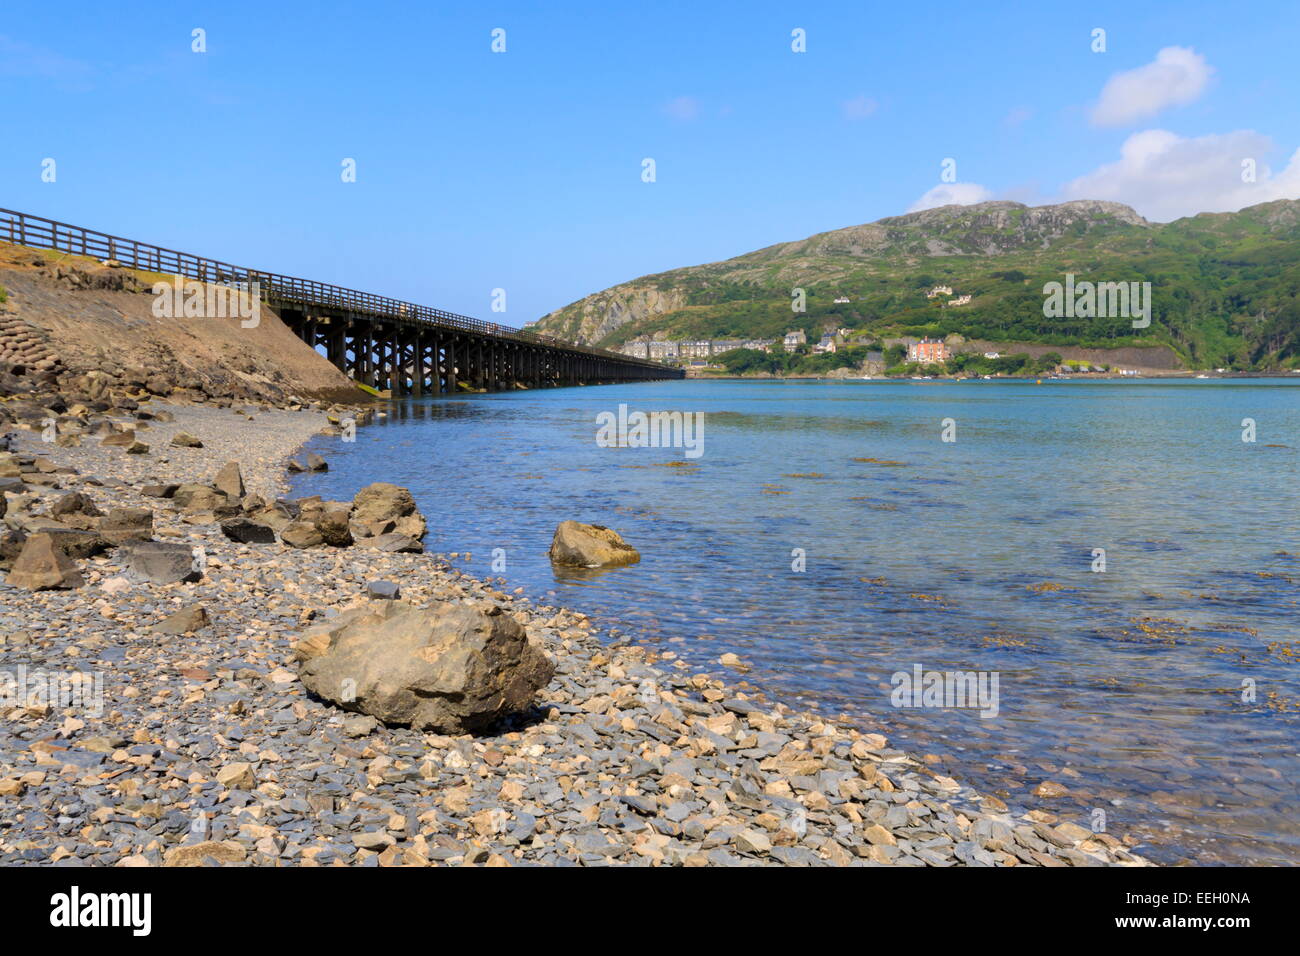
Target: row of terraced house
x=691 y=350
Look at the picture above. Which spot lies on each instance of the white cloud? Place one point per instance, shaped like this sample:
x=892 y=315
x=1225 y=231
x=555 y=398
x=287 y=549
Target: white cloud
x=683 y=108
x=860 y=107
x=948 y=194
x=1165 y=176
x=1177 y=77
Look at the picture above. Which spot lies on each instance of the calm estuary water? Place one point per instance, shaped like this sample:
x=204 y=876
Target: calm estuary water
x=1131 y=686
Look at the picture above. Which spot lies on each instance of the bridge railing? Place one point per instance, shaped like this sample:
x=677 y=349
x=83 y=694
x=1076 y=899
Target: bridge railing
x=41 y=233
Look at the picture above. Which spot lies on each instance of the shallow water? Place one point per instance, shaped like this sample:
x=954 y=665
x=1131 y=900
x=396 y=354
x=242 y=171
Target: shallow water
x=1124 y=685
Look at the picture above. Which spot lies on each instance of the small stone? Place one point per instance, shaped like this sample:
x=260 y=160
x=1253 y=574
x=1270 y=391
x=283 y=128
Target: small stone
x=194 y=854
x=752 y=841
x=359 y=725
x=184 y=621
x=373 y=840
x=230 y=480
x=383 y=590
x=302 y=534
x=236 y=776
x=246 y=531
x=877 y=835
x=186 y=440
x=122 y=439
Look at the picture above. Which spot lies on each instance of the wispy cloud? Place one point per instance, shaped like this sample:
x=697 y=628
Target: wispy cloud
x=683 y=108
x=859 y=108
x=24 y=59
x=1018 y=117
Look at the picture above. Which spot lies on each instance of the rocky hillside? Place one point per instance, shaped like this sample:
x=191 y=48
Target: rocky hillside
x=67 y=317
x=1223 y=285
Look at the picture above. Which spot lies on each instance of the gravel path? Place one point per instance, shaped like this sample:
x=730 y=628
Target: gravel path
x=208 y=748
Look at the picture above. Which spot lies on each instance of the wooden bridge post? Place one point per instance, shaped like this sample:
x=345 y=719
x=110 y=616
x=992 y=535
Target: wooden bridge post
x=388 y=361
x=417 y=364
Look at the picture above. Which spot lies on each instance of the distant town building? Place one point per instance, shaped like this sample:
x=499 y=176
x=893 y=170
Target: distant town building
x=795 y=339
x=992 y=355
x=842 y=300
x=960 y=300
x=928 y=352
x=692 y=351
x=827 y=344
x=939 y=290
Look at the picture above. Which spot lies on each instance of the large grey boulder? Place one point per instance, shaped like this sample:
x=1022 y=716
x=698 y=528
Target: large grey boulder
x=383 y=508
x=451 y=668
x=161 y=562
x=590 y=546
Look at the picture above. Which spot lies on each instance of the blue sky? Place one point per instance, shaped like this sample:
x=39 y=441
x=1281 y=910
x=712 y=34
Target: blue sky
x=522 y=170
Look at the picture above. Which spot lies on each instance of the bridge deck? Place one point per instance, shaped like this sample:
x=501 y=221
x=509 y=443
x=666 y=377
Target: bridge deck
x=309 y=298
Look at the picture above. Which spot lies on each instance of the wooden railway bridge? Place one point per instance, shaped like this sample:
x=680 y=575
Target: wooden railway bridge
x=382 y=343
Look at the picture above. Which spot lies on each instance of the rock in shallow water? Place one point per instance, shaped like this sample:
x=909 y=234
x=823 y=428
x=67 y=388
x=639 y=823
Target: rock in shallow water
x=590 y=546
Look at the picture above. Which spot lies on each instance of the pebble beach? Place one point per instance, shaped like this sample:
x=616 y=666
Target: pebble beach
x=203 y=746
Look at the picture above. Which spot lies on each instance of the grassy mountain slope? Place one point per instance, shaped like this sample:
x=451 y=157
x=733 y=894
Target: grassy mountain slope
x=1225 y=286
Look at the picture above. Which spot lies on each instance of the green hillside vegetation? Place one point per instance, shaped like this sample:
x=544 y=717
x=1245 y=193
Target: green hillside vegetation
x=778 y=362
x=1225 y=287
